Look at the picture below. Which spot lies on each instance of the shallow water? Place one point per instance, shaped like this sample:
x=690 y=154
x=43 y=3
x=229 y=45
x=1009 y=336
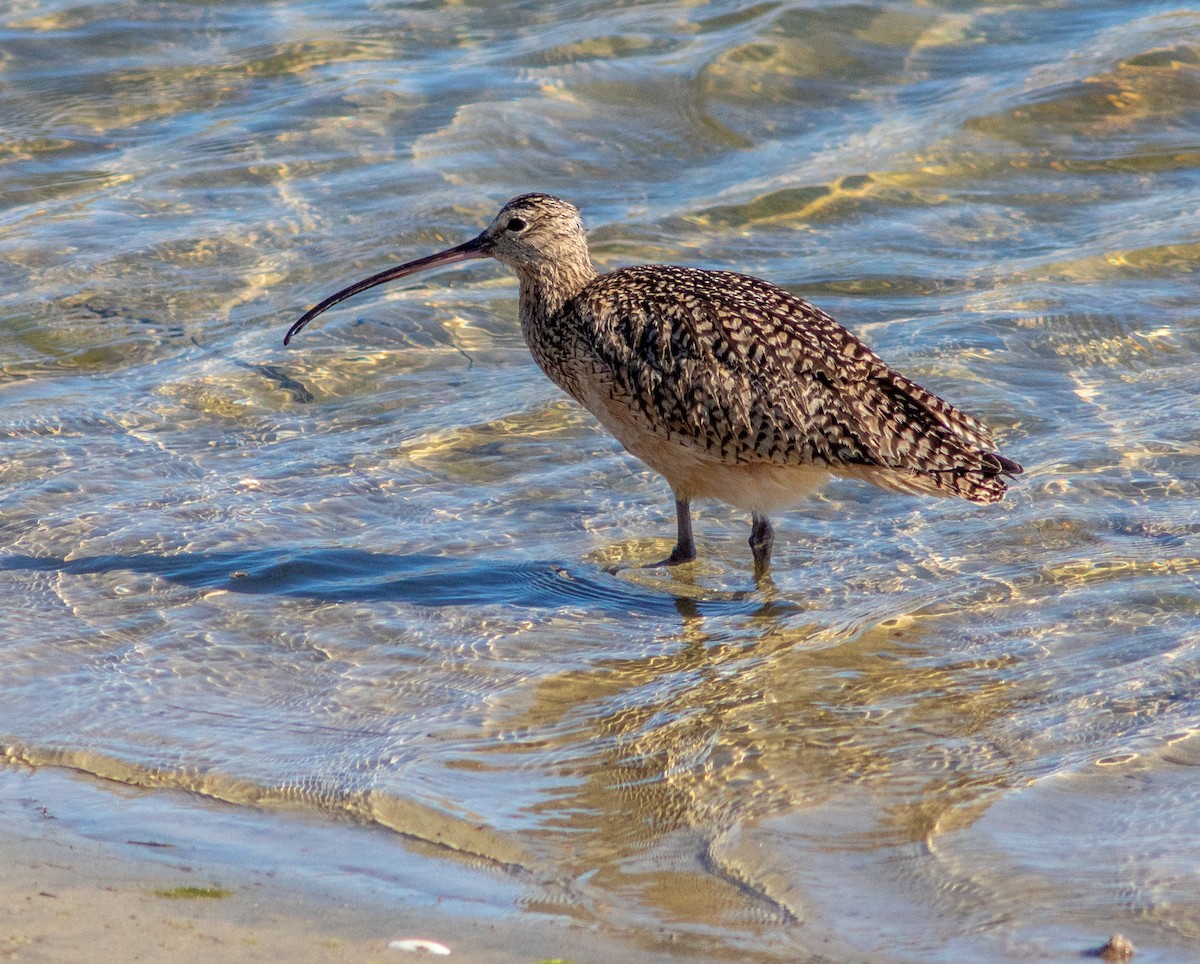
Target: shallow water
x=366 y=576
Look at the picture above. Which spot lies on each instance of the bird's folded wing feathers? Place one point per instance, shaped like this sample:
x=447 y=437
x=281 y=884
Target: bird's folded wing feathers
x=747 y=372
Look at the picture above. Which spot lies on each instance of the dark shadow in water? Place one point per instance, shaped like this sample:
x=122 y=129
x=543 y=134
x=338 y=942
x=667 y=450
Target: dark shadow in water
x=346 y=575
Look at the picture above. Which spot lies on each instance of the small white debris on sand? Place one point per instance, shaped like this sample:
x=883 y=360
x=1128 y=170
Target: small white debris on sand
x=420 y=946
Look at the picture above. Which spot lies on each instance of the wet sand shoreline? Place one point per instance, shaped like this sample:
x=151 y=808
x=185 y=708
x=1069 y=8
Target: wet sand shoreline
x=71 y=894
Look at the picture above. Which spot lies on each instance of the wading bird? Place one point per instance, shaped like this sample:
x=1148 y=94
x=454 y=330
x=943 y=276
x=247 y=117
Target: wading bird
x=728 y=386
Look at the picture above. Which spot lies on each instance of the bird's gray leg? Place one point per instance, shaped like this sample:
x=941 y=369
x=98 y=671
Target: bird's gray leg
x=685 y=546
x=762 y=538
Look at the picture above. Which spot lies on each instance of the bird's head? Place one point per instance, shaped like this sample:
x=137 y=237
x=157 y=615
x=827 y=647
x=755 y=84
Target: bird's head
x=531 y=230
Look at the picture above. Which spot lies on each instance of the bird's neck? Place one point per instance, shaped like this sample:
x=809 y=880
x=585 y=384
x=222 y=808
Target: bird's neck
x=547 y=287
x=546 y=321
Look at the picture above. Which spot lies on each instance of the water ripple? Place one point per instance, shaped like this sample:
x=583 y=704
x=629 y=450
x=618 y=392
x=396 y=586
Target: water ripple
x=369 y=576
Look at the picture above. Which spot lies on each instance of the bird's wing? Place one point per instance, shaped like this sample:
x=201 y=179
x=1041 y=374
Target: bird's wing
x=743 y=371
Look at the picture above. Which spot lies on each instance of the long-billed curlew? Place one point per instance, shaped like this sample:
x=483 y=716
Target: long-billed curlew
x=728 y=386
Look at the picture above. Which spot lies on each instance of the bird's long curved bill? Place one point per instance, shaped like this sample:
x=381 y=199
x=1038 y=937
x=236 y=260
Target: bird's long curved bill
x=475 y=248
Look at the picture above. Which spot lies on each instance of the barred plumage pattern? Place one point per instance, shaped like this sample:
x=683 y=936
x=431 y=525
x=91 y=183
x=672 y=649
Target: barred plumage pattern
x=746 y=372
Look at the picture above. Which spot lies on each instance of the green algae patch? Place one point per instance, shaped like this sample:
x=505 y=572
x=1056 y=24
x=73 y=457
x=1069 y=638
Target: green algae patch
x=194 y=893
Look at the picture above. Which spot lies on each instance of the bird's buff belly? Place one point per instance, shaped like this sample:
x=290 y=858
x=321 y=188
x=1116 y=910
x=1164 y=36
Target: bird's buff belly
x=693 y=473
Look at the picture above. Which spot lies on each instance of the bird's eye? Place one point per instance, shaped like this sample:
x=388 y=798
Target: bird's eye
x=515 y=225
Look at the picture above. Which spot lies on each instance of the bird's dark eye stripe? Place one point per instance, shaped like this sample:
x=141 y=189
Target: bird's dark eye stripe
x=515 y=224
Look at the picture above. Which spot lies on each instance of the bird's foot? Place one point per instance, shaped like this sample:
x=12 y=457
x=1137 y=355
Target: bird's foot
x=679 y=555
x=676 y=558
x=762 y=576
x=685 y=545
x=762 y=539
